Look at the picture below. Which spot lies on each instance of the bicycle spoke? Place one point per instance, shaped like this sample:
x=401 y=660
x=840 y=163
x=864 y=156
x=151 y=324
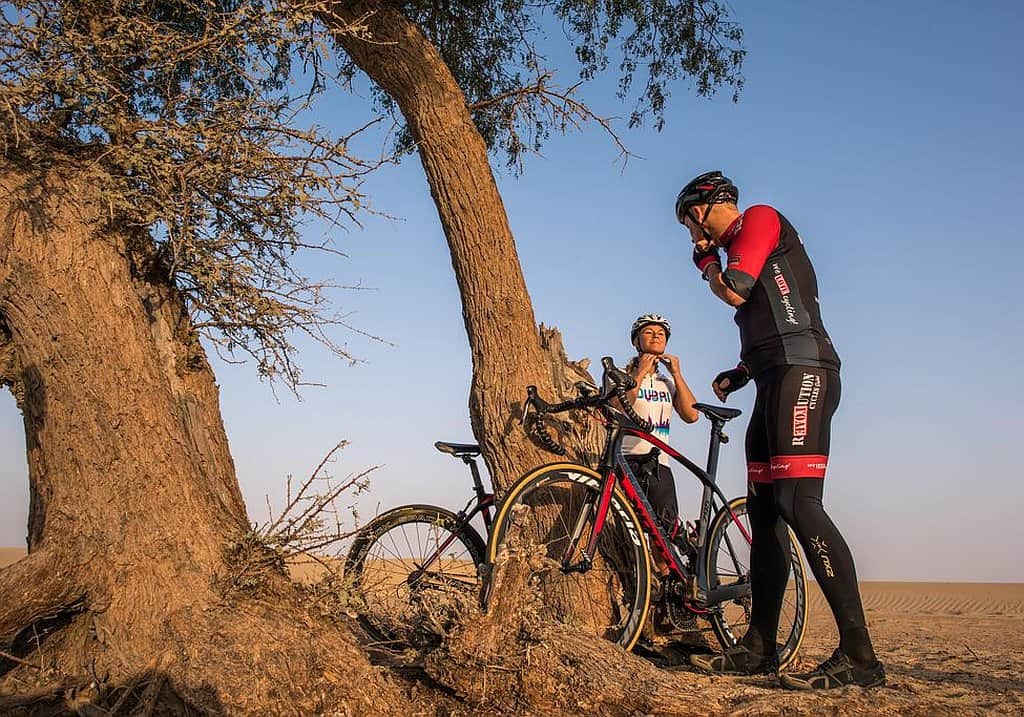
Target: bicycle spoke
x=604 y=598
x=405 y=546
x=729 y=562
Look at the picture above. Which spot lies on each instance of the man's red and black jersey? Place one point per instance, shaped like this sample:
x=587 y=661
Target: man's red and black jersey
x=780 y=321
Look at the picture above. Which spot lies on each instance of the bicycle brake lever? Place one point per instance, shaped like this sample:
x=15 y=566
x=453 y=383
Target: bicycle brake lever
x=531 y=395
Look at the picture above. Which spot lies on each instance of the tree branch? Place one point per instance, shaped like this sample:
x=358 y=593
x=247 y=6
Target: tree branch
x=564 y=111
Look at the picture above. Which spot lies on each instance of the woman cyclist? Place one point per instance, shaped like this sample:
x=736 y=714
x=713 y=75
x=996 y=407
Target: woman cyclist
x=656 y=395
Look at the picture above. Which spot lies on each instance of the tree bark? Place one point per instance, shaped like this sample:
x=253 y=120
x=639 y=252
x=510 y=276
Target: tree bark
x=504 y=339
x=122 y=422
x=135 y=506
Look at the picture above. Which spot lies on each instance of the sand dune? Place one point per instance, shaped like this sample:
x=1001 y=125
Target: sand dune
x=938 y=598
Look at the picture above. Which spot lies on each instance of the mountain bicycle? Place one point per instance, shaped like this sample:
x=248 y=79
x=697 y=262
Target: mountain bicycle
x=596 y=531
x=407 y=552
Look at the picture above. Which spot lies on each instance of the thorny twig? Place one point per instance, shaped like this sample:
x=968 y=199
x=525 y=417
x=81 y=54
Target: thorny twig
x=564 y=110
x=300 y=531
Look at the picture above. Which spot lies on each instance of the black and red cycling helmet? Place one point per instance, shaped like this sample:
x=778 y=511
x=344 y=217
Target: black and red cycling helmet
x=708 y=188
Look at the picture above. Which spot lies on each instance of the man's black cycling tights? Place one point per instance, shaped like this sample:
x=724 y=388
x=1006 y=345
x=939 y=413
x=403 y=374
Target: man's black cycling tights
x=797 y=501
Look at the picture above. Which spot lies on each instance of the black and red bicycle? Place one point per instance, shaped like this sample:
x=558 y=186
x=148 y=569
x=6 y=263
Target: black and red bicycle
x=406 y=553
x=597 y=532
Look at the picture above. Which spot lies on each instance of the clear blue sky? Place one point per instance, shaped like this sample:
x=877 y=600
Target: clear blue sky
x=888 y=133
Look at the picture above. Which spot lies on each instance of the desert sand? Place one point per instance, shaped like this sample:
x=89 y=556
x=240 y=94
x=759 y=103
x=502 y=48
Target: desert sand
x=949 y=648
x=9 y=555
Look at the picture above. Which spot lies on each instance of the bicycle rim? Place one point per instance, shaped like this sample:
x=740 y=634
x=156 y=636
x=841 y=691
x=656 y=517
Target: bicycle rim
x=408 y=560
x=729 y=561
x=546 y=508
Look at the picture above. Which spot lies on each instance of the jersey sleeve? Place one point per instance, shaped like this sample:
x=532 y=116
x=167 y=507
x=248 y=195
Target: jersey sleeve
x=757 y=237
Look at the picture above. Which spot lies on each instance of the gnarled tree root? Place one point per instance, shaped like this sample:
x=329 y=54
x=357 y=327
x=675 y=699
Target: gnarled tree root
x=34 y=589
x=239 y=655
x=513 y=660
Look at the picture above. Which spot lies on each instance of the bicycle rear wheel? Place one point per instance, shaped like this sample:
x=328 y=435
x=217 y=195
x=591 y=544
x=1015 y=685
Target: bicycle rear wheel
x=728 y=562
x=546 y=507
x=404 y=555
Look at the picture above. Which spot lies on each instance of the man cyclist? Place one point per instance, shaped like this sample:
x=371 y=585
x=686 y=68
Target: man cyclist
x=654 y=398
x=785 y=349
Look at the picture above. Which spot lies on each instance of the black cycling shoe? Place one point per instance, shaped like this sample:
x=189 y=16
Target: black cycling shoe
x=737 y=660
x=836 y=671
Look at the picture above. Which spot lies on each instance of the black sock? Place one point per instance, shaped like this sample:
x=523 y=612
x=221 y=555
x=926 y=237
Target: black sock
x=856 y=644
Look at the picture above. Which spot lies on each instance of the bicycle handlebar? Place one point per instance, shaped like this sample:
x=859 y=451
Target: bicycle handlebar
x=614 y=383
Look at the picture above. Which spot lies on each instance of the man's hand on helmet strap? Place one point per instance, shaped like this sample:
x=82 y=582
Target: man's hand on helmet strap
x=730 y=380
x=705 y=257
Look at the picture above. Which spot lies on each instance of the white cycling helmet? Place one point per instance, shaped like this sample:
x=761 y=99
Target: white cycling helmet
x=646 y=319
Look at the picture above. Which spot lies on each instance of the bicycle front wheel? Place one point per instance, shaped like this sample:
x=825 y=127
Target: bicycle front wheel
x=728 y=562
x=553 y=508
x=404 y=555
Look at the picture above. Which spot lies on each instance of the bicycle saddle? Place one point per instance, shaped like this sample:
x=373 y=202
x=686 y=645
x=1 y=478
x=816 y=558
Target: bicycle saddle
x=458 y=449
x=720 y=412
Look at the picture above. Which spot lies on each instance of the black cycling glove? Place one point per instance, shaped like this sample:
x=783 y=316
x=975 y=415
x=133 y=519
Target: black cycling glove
x=738 y=378
x=706 y=257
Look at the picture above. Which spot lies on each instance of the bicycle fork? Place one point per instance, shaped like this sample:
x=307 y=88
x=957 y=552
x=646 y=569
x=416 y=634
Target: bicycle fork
x=594 y=515
x=585 y=563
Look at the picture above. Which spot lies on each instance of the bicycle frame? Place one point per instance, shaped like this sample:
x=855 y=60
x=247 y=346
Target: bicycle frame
x=482 y=503
x=616 y=471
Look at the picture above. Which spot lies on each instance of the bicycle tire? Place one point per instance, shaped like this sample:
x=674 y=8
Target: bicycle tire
x=386 y=554
x=611 y=599
x=728 y=560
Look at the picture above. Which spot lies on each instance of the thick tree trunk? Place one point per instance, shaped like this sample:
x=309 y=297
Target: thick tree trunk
x=503 y=335
x=122 y=422
x=134 y=501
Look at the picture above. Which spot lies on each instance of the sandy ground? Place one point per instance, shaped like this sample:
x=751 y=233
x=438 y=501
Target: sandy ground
x=949 y=648
x=9 y=555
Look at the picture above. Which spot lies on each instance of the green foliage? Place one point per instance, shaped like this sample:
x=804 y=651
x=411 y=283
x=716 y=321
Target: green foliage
x=492 y=48
x=190 y=110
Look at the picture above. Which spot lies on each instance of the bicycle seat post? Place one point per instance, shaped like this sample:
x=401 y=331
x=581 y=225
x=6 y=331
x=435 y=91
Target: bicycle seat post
x=717 y=438
x=478 y=485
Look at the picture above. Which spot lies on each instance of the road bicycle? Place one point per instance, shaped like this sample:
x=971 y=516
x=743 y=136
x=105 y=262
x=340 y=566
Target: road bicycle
x=406 y=553
x=596 y=532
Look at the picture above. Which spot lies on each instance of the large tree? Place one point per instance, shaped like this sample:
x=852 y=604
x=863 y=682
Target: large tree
x=153 y=176
x=468 y=79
